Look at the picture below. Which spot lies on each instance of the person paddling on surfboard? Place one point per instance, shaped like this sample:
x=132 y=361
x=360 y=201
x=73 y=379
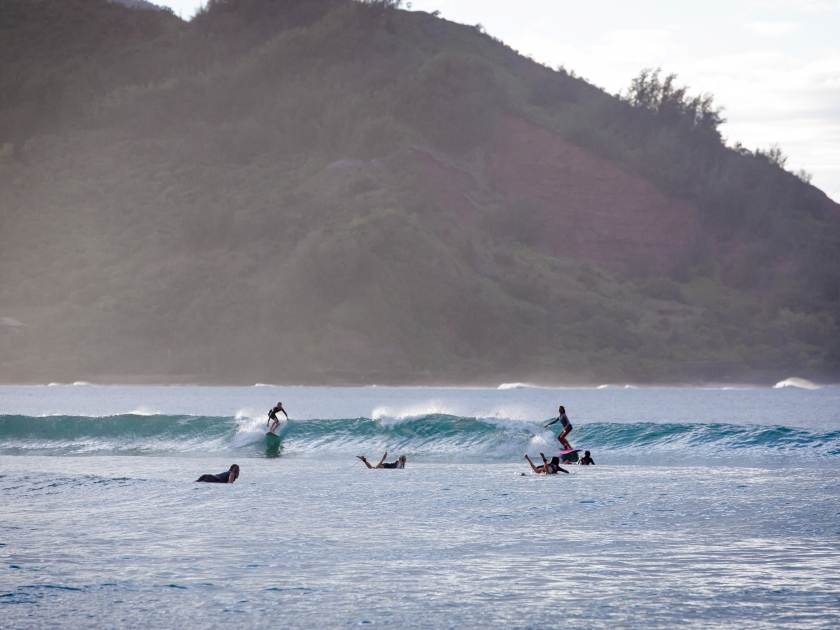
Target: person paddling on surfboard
x=272 y=417
x=549 y=467
x=398 y=463
x=563 y=419
x=229 y=476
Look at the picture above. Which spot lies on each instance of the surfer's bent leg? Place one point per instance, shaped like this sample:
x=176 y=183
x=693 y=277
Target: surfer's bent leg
x=562 y=437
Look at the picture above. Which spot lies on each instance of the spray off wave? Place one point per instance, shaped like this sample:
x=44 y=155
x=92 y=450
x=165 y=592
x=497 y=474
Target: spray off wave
x=425 y=436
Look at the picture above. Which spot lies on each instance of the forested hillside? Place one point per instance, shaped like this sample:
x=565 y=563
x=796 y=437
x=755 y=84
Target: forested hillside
x=332 y=191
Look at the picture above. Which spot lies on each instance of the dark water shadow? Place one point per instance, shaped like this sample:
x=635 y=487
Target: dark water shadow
x=273 y=448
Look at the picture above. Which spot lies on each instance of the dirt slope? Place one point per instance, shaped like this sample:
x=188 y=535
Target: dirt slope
x=591 y=209
x=586 y=207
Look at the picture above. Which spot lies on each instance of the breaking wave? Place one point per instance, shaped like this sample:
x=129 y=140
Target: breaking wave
x=429 y=436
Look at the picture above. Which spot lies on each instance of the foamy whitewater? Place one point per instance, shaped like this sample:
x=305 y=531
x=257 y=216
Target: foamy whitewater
x=706 y=507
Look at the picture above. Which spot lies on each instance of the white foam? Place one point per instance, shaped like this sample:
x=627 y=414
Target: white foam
x=250 y=427
x=144 y=411
x=800 y=383
x=517 y=386
x=244 y=414
x=509 y=416
x=389 y=417
x=504 y=422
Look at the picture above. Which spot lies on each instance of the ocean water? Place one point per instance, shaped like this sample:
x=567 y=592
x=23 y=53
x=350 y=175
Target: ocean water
x=707 y=507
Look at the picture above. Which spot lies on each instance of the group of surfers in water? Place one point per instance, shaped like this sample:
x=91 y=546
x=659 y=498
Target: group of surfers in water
x=548 y=467
x=553 y=467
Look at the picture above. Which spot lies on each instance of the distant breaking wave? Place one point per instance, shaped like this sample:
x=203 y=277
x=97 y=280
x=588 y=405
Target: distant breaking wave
x=434 y=437
x=801 y=383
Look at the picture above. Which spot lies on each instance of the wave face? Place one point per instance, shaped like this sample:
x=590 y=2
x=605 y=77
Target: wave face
x=128 y=434
x=427 y=437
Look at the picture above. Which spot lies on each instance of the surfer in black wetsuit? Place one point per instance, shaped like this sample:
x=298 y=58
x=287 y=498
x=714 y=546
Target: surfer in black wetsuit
x=272 y=417
x=563 y=419
x=549 y=467
x=226 y=477
x=399 y=463
x=587 y=460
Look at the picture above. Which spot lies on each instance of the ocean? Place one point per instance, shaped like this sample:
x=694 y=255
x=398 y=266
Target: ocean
x=706 y=507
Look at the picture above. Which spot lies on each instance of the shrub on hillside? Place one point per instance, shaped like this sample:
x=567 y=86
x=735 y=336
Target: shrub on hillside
x=453 y=100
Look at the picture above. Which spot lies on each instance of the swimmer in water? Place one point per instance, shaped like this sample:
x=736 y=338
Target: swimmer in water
x=226 y=477
x=586 y=460
x=272 y=417
x=563 y=419
x=549 y=467
x=399 y=463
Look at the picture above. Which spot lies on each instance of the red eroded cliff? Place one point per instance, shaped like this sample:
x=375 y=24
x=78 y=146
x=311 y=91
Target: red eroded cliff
x=591 y=209
x=587 y=207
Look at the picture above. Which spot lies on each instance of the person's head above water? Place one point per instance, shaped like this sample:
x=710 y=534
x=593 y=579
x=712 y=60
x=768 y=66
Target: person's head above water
x=235 y=470
x=586 y=453
x=279 y=404
x=561 y=409
x=401 y=458
x=555 y=461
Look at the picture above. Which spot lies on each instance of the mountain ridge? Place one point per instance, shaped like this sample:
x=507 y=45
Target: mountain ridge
x=331 y=192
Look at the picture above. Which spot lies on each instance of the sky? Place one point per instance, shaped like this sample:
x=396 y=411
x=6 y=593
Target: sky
x=774 y=65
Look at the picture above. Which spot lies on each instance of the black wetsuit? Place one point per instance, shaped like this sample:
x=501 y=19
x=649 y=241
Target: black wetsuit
x=586 y=461
x=220 y=478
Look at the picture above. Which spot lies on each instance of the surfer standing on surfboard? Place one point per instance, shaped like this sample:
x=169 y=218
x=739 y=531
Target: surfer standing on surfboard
x=563 y=419
x=272 y=417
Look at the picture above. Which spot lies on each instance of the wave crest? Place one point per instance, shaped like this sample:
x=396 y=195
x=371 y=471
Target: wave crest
x=434 y=435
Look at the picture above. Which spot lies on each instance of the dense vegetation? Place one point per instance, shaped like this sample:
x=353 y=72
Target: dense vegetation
x=235 y=199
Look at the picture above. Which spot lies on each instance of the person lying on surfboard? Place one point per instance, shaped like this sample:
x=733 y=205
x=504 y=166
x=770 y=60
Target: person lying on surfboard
x=228 y=476
x=587 y=460
x=549 y=467
x=272 y=417
x=398 y=463
x=563 y=419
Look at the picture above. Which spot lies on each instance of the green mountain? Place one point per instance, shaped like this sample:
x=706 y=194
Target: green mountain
x=331 y=191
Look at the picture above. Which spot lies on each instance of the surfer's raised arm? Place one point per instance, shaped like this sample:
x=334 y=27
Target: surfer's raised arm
x=537 y=471
x=562 y=412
